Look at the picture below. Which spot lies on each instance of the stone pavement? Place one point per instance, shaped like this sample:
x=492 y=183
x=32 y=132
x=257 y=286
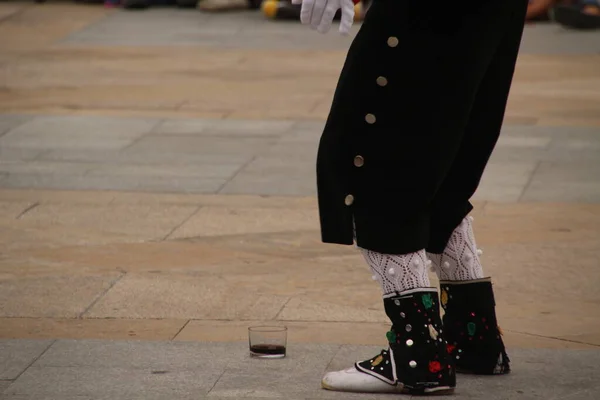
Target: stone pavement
x=70 y=370
x=157 y=198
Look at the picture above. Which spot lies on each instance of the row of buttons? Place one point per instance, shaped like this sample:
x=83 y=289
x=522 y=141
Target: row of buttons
x=382 y=81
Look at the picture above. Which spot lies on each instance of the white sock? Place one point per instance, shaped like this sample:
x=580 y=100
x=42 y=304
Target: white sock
x=398 y=272
x=460 y=259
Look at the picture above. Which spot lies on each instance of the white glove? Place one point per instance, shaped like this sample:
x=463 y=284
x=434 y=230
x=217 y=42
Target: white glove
x=320 y=13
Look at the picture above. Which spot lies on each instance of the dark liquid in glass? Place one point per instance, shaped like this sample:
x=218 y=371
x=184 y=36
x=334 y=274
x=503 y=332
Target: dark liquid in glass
x=268 y=350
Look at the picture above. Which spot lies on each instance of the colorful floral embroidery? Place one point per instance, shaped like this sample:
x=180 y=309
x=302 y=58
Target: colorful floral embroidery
x=444 y=298
x=435 y=366
x=391 y=336
x=432 y=332
x=471 y=327
x=377 y=360
x=427 y=301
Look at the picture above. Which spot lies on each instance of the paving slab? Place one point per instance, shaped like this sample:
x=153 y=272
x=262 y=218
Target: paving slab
x=4 y=384
x=90 y=222
x=136 y=370
x=18 y=154
x=134 y=354
x=75 y=132
x=152 y=296
x=152 y=156
x=17 y=355
x=251 y=29
x=297 y=375
x=85 y=371
x=200 y=145
x=243 y=128
x=14 y=209
x=8 y=122
x=212 y=221
x=44 y=168
x=505 y=182
x=167 y=171
x=270 y=185
x=90 y=328
x=576 y=182
x=116 y=183
x=110 y=383
x=36 y=297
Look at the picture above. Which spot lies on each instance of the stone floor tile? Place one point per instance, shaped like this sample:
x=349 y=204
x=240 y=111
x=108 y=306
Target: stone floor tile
x=153 y=156
x=197 y=295
x=104 y=328
x=18 y=154
x=11 y=121
x=213 y=221
x=89 y=221
x=224 y=127
x=47 y=297
x=269 y=185
x=576 y=182
x=200 y=145
x=10 y=210
x=17 y=355
x=507 y=193
x=112 y=383
x=116 y=183
x=44 y=168
x=295 y=375
x=535 y=142
x=4 y=384
x=133 y=354
x=74 y=132
x=199 y=172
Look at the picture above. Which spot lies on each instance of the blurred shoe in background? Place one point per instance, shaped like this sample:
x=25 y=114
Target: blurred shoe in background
x=584 y=15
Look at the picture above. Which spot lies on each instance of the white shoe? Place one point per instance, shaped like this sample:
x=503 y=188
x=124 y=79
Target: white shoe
x=353 y=380
x=376 y=375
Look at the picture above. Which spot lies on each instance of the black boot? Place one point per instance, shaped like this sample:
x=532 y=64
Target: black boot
x=472 y=331
x=417 y=361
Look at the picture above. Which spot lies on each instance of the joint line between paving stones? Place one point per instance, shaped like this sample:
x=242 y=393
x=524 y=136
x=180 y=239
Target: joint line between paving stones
x=182 y=328
x=152 y=130
x=217 y=381
x=25 y=211
x=236 y=173
x=142 y=136
x=333 y=358
x=34 y=360
x=535 y=169
x=282 y=307
x=181 y=223
x=101 y=295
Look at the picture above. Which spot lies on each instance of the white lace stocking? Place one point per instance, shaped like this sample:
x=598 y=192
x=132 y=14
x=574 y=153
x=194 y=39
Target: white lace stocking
x=460 y=259
x=398 y=272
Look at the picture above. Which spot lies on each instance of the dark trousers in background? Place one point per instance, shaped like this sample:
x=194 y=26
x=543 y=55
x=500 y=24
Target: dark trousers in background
x=415 y=117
